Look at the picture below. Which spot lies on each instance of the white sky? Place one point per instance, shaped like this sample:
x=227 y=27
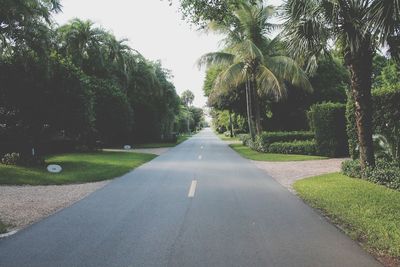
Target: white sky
x=156 y=30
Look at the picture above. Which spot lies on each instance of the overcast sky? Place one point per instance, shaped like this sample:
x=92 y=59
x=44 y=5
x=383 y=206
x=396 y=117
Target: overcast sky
x=156 y=30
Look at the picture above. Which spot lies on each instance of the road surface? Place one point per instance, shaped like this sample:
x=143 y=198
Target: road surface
x=199 y=204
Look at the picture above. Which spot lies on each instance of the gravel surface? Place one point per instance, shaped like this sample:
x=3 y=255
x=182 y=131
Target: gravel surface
x=286 y=173
x=21 y=206
x=155 y=151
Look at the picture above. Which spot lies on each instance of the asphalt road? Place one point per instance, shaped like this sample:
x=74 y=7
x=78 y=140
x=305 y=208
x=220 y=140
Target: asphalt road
x=155 y=216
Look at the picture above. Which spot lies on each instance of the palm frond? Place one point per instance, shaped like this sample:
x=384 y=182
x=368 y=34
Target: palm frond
x=268 y=83
x=247 y=51
x=233 y=76
x=287 y=69
x=215 y=58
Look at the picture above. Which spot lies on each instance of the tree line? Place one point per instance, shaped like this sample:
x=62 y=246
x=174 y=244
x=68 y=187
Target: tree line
x=312 y=32
x=80 y=84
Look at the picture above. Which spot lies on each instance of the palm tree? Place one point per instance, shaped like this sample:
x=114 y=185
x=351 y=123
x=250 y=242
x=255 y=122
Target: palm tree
x=357 y=27
x=250 y=59
x=81 y=41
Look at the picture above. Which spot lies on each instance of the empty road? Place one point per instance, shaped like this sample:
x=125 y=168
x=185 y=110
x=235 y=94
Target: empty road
x=199 y=204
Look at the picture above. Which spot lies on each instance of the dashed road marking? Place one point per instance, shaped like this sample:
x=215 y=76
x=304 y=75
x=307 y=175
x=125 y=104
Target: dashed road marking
x=192 y=189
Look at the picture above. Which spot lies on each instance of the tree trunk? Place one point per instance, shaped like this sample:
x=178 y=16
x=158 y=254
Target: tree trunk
x=231 y=123
x=249 y=110
x=257 y=111
x=361 y=79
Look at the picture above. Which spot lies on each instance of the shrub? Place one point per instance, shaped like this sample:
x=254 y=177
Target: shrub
x=352 y=168
x=328 y=122
x=245 y=138
x=296 y=147
x=10 y=158
x=264 y=140
x=385 y=172
x=386 y=118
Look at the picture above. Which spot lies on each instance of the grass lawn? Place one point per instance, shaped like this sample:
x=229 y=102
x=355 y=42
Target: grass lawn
x=369 y=213
x=181 y=139
x=228 y=138
x=255 y=155
x=77 y=168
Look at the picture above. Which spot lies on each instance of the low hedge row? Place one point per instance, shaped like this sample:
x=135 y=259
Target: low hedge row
x=385 y=173
x=296 y=147
x=282 y=142
x=264 y=140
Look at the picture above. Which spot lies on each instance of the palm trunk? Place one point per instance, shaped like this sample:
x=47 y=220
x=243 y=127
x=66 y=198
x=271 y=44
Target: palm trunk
x=361 y=73
x=257 y=111
x=249 y=110
x=230 y=123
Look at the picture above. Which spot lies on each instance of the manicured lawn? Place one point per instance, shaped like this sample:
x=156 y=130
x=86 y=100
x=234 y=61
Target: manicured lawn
x=77 y=168
x=181 y=139
x=369 y=213
x=228 y=138
x=254 y=155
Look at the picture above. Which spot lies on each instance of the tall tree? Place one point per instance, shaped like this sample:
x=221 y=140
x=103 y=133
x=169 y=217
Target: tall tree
x=251 y=59
x=187 y=98
x=357 y=26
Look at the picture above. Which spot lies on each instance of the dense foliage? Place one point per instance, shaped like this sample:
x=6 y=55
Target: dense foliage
x=295 y=147
x=386 y=120
x=327 y=121
x=79 y=85
x=385 y=172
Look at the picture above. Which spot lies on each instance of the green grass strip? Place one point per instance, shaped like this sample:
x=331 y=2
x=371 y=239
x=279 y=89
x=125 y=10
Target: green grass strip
x=368 y=213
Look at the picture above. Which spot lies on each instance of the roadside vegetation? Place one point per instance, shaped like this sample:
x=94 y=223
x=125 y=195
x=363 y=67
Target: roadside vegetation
x=77 y=168
x=261 y=156
x=367 y=212
x=77 y=87
x=3 y=228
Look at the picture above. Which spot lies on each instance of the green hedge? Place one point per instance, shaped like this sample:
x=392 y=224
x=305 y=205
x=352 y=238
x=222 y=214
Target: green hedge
x=386 y=118
x=264 y=140
x=328 y=122
x=295 y=147
x=385 y=173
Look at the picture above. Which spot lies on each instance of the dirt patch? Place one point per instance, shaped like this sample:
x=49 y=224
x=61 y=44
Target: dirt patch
x=21 y=206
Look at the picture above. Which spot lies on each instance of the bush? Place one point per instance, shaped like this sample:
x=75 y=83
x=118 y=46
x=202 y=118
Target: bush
x=352 y=168
x=10 y=159
x=328 y=122
x=385 y=172
x=264 y=140
x=295 y=147
x=245 y=138
x=386 y=118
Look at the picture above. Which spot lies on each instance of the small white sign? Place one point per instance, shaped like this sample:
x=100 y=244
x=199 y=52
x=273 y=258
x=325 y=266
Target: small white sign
x=53 y=168
x=127 y=147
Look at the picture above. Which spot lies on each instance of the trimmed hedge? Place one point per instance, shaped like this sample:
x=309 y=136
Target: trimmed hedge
x=264 y=140
x=328 y=122
x=295 y=147
x=386 y=118
x=385 y=173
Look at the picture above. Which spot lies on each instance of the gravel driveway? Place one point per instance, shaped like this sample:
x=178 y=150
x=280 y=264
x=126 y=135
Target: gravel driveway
x=286 y=173
x=24 y=205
